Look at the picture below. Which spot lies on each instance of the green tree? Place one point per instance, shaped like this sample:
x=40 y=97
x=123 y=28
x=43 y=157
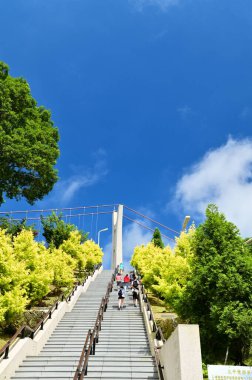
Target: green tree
x=56 y=231
x=14 y=227
x=218 y=292
x=157 y=239
x=28 y=142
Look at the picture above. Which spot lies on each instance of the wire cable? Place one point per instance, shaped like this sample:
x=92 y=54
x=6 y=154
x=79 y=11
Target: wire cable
x=148 y=228
x=152 y=220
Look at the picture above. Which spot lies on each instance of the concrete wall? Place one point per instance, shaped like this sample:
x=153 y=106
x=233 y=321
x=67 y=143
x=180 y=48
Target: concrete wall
x=28 y=346
x=181 y=354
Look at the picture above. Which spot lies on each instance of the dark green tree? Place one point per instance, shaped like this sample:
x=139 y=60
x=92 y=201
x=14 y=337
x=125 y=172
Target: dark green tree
x=218 y=294
x=56 y=230
x=28 y=142
x=14 y=227
x=157 y=239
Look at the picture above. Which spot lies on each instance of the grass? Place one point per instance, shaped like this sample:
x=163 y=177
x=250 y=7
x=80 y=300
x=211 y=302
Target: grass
x=157 y=305
x=4 y=338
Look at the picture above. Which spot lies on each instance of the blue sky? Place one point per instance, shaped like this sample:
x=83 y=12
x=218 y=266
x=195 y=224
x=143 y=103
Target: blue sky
x=152 y=99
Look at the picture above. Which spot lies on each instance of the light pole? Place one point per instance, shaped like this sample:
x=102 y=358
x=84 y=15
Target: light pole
x=104 y=229
x=185 y=222
x=249 y=241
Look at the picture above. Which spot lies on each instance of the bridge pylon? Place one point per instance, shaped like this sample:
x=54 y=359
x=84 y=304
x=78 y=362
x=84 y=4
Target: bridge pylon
x=117 y=255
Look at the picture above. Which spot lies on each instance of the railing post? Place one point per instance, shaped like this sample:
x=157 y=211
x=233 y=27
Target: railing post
x=90 y=337
x=6 y=352
x=94 y=346
x=23 y=333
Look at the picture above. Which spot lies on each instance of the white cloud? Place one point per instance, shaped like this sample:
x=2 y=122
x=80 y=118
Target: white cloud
x=65 y=189
x=223 y=177
x=69 y=187
x=163 y=5
x=133 y=235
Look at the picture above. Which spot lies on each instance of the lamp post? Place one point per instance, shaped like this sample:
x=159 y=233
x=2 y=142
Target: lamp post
x=104 y=229
x=185 y=222
x=249 y=241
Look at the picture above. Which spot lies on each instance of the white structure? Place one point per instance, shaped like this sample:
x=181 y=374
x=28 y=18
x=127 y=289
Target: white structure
x=181 y=354
x=117 y=257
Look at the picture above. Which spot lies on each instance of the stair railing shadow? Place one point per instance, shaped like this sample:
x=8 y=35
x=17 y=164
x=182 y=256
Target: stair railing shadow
x=92 y=337
x=25 y=330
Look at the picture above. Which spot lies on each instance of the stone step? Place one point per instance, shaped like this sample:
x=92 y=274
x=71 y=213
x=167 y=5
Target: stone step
x=109 y=373
x=100 y=347
x=102 y=339
x=106 y=358
x=112 y=349
x=57 y=366
x=98 y=362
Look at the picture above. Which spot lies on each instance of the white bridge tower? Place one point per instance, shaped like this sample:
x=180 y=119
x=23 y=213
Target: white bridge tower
x=117 y=256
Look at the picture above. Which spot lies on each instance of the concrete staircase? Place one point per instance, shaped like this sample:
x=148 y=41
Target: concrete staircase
x=122 y=352
x=60 y=356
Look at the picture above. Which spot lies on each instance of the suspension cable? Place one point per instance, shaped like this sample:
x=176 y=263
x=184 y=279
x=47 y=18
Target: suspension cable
x=83 y=208
x=148 y=228
x=56 y=209
x=70 y=216
x=152 y=220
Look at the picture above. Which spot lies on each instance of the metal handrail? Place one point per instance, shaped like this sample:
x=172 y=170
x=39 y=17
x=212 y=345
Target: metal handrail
x=93 y=338
x=82 y=357
x=40 y=325
x=158 y=333
x=5 y=349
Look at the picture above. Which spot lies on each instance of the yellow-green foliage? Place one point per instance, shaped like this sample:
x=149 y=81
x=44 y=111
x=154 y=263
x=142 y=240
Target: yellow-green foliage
x=12 y=305
x=29 y=270
x=63 y=266
x=73 y=247
x=34 y=256
x=149 y=260
x=93 y=253
x=184 y=247
x=86 y=255
x=12 y=272
x=165 y=271
x=13 y=275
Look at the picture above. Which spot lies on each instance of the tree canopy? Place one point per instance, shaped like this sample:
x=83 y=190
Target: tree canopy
x=218 y=293
x=207 y=280
x=30 y=271
x=157 y=239
x=28 y=142
x=56 y=231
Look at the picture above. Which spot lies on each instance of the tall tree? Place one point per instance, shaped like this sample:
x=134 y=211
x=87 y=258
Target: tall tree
x=56 y=230
x=28 y=142
x=218 y=293
x=157 y=239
